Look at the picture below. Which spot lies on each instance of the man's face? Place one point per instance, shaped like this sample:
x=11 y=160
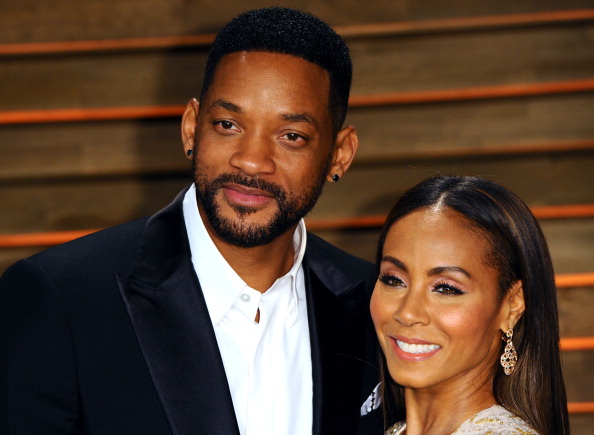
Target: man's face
x=263 y=145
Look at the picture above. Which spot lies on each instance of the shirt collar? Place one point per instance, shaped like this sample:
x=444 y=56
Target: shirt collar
x=220 y=284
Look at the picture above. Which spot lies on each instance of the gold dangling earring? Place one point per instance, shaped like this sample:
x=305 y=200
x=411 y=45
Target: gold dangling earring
x=510 y=357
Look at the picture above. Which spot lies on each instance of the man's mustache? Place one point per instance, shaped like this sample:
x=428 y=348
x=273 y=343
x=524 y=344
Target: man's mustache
x=251 y=182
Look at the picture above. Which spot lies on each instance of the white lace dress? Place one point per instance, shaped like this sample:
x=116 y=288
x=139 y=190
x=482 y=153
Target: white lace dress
x=495 y=420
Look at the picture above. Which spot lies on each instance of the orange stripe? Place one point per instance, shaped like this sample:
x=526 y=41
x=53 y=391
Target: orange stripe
x=565 y=211
x=570 y=280
x=350 y=31
x=560 y=146
x=543 y=212
x=474 y=93
x=464 y=23
x=60 y=47
x=577 y=343
x=40 y=239
x=89 y=114
x=580 y=407
x=376 y=221
x=365 y=222
x=387 y=99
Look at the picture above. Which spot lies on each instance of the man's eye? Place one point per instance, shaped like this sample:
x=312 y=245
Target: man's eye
x=293 y=140
x=226 y=127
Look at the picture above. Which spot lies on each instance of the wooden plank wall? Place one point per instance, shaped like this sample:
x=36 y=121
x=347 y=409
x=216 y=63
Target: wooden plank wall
x=91 y=93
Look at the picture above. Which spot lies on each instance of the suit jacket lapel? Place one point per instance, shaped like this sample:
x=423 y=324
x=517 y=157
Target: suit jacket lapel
x=171 y=321
x=338 y=314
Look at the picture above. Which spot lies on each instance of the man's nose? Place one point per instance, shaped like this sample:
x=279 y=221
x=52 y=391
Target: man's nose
x=254 y=155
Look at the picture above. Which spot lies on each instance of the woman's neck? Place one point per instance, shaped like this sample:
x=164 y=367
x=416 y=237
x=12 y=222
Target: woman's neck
x=442 y=412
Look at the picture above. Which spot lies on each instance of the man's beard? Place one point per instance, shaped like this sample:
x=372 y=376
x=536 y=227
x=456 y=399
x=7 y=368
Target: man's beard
x=291 y=208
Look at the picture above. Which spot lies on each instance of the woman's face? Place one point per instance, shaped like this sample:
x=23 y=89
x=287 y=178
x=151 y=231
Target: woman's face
x=435 y=305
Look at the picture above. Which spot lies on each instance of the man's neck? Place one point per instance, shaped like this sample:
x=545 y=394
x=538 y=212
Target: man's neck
x=259 y=267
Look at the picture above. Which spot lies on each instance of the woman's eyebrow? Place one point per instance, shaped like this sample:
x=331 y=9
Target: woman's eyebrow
x=442 y=269
x=396 y=262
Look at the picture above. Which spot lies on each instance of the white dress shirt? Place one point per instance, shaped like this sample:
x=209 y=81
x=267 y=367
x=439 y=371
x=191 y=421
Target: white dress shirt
x=268 y=364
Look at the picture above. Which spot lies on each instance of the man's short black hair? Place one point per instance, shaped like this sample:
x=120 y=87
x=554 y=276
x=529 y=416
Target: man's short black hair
x=288 y=31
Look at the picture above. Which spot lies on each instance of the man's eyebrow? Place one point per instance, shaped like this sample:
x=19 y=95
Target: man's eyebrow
x=227 y=105
x=299 y=117
x=441 y=269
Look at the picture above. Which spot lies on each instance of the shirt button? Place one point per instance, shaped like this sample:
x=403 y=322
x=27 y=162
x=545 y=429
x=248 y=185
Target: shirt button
x=245 y=297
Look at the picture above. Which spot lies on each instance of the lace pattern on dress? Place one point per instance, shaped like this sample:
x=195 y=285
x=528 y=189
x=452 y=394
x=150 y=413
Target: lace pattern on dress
x=495 y=420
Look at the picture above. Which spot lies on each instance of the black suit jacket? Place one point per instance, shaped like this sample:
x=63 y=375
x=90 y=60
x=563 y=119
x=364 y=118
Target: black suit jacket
x=110 y=334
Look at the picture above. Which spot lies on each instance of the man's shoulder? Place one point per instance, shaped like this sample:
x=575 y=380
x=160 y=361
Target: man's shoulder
x=115 y=242
x=110 y=248
x=75 y=270
x=323 y=253
x=108 y=239
x=316 y=244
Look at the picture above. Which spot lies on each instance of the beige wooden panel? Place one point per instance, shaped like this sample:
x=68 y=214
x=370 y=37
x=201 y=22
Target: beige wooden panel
x=570 y=243
x=80 y=149
x=539 y=180
x=458 y=60
x=154 y=145
x=101 y=80
x=473 y=123
x=582 y=424
x=389 y=64
x=575 y=314
x=579 y=382
x=362 y=243
x=580 y=388
x=79 y=204
x=67 y=203
x=47 y=20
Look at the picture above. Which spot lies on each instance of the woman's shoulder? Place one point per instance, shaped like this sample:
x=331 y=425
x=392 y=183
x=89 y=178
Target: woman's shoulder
x=397 y=429
x=495 y=420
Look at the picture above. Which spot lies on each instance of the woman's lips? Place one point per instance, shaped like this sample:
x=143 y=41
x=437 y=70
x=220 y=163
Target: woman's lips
x=412 y=349
x=246 y=196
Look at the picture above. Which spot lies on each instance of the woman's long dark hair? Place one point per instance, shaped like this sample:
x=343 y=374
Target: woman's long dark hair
x=535 y=390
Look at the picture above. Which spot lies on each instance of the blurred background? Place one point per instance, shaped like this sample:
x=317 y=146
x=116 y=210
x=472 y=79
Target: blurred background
x=91 y=94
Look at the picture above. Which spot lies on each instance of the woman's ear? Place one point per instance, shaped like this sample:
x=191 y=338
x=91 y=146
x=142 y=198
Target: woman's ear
x=188 y=127
x=513 y=306
x=345 y=148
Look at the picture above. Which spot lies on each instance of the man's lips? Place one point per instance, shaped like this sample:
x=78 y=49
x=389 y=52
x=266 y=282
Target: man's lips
x=244 y=196
x=413 y=349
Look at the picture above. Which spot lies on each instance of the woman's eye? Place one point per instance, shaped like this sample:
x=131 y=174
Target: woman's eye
x=447 y=289
x=391 y=280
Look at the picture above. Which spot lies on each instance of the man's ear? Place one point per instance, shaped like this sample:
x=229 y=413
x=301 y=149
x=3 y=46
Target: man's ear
x=513 y=306
x=345 y=148
x=188 y=127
